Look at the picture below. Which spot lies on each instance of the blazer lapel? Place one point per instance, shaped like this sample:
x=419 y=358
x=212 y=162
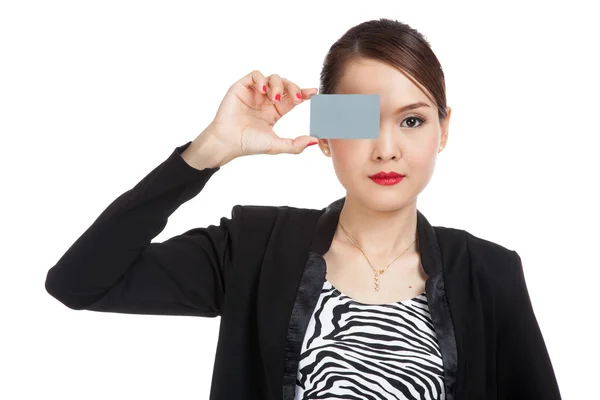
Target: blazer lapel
x=292 y=276
x=281 y=273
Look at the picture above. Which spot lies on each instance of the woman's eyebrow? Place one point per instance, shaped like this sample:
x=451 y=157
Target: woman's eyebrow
x=412 y=106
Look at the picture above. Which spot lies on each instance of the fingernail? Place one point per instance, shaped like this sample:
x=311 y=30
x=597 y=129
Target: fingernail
x=310 y=144
x=278 y=97
x=298 y=95
x=265 y=88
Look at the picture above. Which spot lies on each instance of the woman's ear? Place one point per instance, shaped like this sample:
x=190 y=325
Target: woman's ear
x=324 y=145
x=445 y=128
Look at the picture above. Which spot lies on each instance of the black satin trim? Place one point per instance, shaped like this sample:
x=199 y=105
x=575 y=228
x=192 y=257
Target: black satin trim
x=308 y=293
x=431 y=258
x=311 y=283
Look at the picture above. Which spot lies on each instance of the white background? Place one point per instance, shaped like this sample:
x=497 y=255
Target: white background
x=94 y=95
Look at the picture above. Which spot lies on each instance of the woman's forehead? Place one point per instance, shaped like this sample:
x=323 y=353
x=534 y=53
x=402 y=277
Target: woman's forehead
x=373 y=77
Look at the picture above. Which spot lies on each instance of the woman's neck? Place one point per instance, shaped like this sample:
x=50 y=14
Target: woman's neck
x=379 y=233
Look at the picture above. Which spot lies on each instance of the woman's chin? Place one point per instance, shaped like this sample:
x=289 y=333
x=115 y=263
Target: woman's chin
x=385 y=201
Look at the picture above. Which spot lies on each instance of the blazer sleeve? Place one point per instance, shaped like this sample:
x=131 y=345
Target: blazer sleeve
x=114 y=267
x=523 y=363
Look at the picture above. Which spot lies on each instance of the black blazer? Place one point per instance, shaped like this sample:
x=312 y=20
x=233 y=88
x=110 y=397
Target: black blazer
x=262 y=270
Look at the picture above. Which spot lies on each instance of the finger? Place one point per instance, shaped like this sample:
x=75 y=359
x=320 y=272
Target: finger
x=294 y=91
x=293 y=97
x=307 y=93
x=275 y=88
x=256 y=80
x=292 y=146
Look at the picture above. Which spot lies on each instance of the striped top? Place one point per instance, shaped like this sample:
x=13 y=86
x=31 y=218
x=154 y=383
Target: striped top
x=353 y=350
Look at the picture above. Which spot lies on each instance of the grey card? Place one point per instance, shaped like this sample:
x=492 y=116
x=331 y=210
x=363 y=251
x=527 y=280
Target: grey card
x=344 y=116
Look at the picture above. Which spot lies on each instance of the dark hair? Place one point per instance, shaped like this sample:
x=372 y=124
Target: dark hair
x=393 y=43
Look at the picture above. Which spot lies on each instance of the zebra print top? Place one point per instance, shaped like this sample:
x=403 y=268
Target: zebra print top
x=353 y=350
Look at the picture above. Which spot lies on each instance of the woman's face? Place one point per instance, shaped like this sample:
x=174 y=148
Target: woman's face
x=408 y=141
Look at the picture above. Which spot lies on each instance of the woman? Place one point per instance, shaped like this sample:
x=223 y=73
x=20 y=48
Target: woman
x=361 y=299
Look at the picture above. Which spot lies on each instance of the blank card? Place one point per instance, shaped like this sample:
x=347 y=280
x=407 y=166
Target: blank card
x=344 y=116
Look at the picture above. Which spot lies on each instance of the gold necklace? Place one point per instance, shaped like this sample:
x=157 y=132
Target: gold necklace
x=375 y=270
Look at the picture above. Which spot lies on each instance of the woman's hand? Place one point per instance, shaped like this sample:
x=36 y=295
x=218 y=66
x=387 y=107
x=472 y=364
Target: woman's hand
x=252 y=106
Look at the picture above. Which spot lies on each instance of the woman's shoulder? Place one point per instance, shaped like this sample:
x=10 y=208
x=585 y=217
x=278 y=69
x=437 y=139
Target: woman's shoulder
x=490 y=260
x=452 y=237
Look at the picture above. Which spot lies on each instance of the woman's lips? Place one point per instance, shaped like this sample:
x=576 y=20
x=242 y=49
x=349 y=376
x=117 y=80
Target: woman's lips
x=386 y=178
x=386 y=181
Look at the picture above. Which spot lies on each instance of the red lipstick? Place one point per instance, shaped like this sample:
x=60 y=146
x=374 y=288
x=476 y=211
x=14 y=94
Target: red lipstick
x=386 y=178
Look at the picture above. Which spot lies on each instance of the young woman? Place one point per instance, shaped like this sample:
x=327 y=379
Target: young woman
x=361 y=299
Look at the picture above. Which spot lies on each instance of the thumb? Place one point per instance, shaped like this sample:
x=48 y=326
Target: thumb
x=293 y=146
